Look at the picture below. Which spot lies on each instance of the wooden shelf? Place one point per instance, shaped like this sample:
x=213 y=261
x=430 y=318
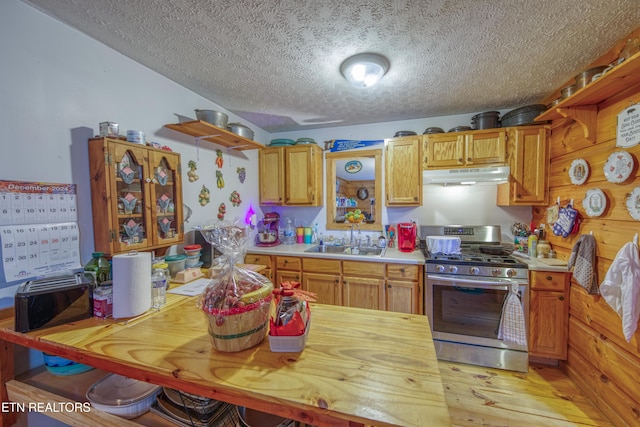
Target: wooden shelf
x=209 y=132
x=616 y=80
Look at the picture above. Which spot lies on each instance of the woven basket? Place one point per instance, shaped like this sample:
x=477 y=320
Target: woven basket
x=237 y=329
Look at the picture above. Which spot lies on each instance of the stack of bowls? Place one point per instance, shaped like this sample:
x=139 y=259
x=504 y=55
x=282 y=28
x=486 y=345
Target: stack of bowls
x=281 y=142
x=176 y=263
x=302 y=141
x=193 y=255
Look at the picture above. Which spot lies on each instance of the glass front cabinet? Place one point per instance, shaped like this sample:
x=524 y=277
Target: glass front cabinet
x=136 y=196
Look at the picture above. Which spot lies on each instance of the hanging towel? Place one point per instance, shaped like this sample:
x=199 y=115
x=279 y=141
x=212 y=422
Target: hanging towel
x=512 y=326
x=621 y=288
x=583 y=257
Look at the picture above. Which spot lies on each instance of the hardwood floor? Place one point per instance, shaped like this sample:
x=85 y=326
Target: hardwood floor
x=544 y=396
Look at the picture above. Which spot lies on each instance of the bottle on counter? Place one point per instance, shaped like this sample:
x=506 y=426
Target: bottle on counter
x=543 y=248
x=532 y=244
x=158 y=288
x=98 y=268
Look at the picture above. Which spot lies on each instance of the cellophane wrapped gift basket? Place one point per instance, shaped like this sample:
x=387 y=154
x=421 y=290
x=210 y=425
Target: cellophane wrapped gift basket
x=236 y=302
x=290 y=319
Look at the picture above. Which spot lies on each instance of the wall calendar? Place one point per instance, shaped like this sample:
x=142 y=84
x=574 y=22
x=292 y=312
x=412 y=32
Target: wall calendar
x=38 y=229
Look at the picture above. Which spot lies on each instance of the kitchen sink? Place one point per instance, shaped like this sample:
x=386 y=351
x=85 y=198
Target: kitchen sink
x=347 y=250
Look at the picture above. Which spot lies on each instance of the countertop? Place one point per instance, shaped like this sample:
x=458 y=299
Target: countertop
x=358 y=366
x=543 y=264
x=392 y=255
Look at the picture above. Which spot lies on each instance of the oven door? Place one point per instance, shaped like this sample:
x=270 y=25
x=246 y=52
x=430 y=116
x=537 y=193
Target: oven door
x=467 y=309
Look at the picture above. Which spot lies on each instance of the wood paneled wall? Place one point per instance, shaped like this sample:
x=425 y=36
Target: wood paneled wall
x=599 y=358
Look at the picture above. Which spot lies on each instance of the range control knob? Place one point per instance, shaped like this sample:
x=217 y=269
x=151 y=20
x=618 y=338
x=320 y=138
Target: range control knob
x=440 y=268
x=496 y=272
x=453 y=269
x=474 y=270
x=511 y=272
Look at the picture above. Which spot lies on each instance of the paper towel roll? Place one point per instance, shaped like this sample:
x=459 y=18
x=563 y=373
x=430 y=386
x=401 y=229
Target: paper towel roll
x=131 y=284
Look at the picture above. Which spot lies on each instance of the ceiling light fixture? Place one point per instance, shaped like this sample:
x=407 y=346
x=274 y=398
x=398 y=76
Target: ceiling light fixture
x=364 y=69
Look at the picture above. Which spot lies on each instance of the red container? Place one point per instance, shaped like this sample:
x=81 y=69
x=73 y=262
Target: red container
x=407 y=236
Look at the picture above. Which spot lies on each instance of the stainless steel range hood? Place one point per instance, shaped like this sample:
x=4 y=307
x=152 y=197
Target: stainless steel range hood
x=491 y=174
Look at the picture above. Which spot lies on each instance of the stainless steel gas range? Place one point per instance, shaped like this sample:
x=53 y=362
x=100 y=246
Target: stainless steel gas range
x=465 y=293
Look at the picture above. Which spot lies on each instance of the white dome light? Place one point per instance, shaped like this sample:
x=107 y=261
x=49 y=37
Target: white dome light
x=364 y=69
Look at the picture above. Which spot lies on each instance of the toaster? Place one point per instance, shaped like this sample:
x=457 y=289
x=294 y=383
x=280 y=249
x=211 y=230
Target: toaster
x=53 y=301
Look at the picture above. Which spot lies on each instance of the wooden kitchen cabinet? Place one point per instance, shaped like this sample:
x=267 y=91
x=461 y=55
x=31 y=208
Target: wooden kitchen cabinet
x=291 y=176
x=403 y=171
x=136 y=194
x=363 y=285
x=528 y=158
x=324 y=278
x=261 y=260
x=288 y=269
x=403 y=288
x=549 y=314
x=465 y=149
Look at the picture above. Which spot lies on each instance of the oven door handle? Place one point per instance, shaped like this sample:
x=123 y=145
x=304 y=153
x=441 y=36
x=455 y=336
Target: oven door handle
x=475 y=283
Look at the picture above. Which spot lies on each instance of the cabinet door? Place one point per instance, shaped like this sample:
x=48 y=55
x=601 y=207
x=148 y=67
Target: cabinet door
x=445 y=150
x=271 y=175
x=363 y=292
x=403 y=172
x=548 y=324
x=166 y=198
x=327 y=287
x=402 y=296
x=129 y=201
x=287 y=276
x=485 y=147
x=528 y=162
x=303 y=177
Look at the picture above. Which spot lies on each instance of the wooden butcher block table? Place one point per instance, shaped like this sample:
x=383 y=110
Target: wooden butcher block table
x=358 y=366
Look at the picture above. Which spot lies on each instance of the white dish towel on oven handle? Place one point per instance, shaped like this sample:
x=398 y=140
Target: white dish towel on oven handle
x=512 y=325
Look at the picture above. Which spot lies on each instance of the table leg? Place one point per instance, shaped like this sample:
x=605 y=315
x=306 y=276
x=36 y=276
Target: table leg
x=7 y=416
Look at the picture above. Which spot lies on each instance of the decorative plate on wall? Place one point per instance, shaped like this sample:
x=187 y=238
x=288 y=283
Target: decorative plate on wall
x=579 y=171
x=353 y=166
x=594 y=202
x=633 y=203
x=618 y=166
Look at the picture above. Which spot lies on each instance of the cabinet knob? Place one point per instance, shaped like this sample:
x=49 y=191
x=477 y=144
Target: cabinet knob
x=549 y=278
x=460 y=160
x=561 y=298
x=155 y=181
x=389 y=286
x=469 y=159
x=147 y=180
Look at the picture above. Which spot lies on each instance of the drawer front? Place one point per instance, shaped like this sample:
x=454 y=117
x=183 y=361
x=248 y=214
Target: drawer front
x=258 y=259
x=318 y=265
x=549 y=281
x=403 y=271
x=363 y=268
x=288 y=263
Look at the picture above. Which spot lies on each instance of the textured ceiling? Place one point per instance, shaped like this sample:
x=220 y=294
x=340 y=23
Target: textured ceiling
x=275 y=63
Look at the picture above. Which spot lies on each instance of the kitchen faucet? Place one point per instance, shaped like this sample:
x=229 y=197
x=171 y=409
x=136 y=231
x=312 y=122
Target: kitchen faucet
x=352 y=241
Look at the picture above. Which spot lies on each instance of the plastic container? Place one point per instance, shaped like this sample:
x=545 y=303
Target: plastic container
x=176 y=263
x=122 y=396
x=103 y=301
x=289 y=344
x=63 y=367
x=158 y=288
x=98 y=268
x=192 y=250
x=192 y=261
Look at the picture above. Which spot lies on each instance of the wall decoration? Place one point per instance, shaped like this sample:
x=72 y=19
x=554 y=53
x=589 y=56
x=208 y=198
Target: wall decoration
x=193 y=176
x=628 y=129
x=363 y=193
x=234 y=198
x=205 y=196
x=594 y=202
x=219 y=159
x=219 y=179
x=222 y=210
x=579 y=171
x=633 y=203
x=618 y=167
x=242 y=174
x=353 y=166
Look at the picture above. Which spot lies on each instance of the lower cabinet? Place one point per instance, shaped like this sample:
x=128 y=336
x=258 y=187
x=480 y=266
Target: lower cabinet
x=549 y=314
x=362 y=284
x=261 y=260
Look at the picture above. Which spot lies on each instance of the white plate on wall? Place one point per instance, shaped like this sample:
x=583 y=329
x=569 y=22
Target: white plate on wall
x=579 y=171
x=594 y=202
x=633 y=203
x=618 y=167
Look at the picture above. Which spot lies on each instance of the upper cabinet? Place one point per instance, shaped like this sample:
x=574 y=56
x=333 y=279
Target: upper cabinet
x=403 y=171
x=136 y=194
x=528 y=153
x=463 y=149
x=291 y=176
